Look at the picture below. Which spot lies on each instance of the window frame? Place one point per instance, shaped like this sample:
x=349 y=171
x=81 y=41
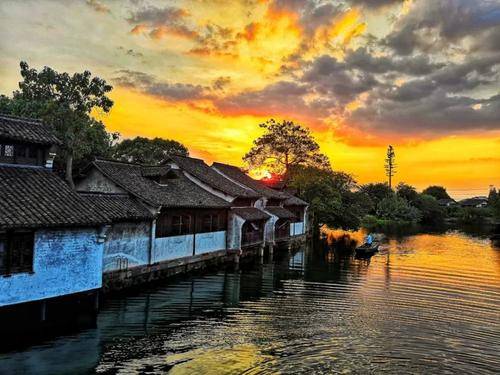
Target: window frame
x=17 y=260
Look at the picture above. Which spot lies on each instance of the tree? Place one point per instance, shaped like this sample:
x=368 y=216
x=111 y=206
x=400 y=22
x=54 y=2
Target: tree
x=431 y=211
x=397 y=209
x=390 y=164
x=330 y=196
x=65 y=102
x=494 y=202
x=407 y=192
x=285 y=145
x=147 y=151
x=437 y=192
x=493 y=196
x=376 y=192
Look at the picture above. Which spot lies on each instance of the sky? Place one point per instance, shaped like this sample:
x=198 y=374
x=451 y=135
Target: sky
x=423 y=76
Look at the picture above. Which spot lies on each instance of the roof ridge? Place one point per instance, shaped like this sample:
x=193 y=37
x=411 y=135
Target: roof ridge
x=186 y=157
x=227 y=165
x=109 y=160
x=20 y=118
x=96 y=193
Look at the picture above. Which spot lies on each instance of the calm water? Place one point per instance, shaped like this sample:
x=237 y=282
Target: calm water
x=427 y=303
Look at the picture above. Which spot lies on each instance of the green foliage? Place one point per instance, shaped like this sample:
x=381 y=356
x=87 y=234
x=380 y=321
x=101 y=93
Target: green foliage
x=330 y=196
x=375 y=192
x=431 y=212
x=407 y=192
x=494 y=202
x=147 y=151
x=437 y=192
x=398 y=209
x=65 y=102
x=473 y=215
x=285 y=145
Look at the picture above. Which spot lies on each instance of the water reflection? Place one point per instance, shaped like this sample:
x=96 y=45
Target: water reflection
x=427 y=303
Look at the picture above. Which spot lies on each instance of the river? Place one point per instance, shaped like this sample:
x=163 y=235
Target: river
x=426 y=303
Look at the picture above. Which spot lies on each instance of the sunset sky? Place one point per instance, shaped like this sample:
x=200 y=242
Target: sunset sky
x=422 y=75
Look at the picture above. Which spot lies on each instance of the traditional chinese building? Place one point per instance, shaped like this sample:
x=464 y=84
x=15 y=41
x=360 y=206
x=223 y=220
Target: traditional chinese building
x=51 y=240
x=288 y=212
x=161 y=219
x=247 y=222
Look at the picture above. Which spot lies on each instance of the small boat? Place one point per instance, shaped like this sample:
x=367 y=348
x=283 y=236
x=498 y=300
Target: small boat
x=367 y=249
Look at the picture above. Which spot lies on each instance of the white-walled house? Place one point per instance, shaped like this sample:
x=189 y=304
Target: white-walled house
x=51 y=240
x=246 y=221
x=285 y=209
x=161 y=216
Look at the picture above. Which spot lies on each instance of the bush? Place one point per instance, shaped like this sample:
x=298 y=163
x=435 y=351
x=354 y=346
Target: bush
x=430 y=210
x=398 y=209
x=473 y=215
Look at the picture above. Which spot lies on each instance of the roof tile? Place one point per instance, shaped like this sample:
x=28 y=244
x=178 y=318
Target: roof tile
x=26 y=129
x=37 y=197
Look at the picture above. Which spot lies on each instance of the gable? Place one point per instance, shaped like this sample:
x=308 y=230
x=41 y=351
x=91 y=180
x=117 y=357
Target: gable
x=96 y=182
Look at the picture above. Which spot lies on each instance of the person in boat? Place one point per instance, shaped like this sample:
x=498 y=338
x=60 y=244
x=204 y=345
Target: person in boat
x=369 y=240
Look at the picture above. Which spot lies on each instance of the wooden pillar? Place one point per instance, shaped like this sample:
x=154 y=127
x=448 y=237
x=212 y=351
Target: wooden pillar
x=43 y=311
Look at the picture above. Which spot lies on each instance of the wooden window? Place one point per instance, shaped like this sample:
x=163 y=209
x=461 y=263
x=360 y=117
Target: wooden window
x=209 y=223
x=16 y=252
x=181 y=225
x=7 y=151
x=213 y=222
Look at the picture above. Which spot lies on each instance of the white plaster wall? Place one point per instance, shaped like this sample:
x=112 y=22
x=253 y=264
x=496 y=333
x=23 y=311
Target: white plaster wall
x=211 y=241
x=127 y=245
x=296 y=228
x=269 y=227
x=234 y=231
x=95 y=181
x=167 y=248
x=64 y=262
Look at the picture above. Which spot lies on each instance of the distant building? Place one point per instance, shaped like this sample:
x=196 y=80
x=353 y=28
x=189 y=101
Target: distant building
x=51 y=240
x=287 y=210
x=477 y=202
x=447 y=202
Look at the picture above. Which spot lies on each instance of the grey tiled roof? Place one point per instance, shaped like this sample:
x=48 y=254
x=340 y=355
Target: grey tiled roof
x=25 y=129
x=177 y=192
x=280 y=212
x=241 y=177
x=204 y=173
x=250 y=213
x=37 y=197
x=292 y=200
x=118 y=207
x=154 y=171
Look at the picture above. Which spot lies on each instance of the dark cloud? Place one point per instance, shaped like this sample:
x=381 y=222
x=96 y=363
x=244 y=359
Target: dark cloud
x=327 y=76
x=375 y=3
x=97 y=6
x=414 y=65
x=432 y=25
x=221 y=83
x=160 y=22
x=153 y=16
x=148 y=84
x=278 y=98
x=130 y=52
x=433 y=114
